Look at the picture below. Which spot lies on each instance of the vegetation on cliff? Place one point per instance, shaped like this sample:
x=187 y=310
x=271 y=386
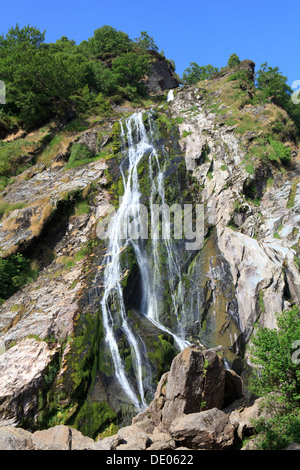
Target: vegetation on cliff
x=277 y=376
x=270 y=86
x=45 y=80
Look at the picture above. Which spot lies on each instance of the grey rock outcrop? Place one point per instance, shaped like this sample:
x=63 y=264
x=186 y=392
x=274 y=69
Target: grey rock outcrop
x=245 y=269
x=12 y=438
x=209 y=430
x=196 y=379
x=162 y=76
x=21 y=370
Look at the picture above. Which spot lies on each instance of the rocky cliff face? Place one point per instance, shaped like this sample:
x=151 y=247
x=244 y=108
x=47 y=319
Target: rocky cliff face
x=162 y=76
x=251 y=270
x=54 y=366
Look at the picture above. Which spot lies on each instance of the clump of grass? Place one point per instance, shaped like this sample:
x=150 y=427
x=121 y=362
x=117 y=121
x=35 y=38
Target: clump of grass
x=261 y=301
x=250 y=168
x=52 y=149
x=292 y=196
x=185 y=134
x=81 y=254
x=81 y=208
x=281 y=153
x=6 y=207
x=179 y=120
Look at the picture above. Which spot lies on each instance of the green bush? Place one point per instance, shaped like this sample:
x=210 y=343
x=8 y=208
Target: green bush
x=277 y=376
x=15 y=272
x=79 y=153
x=281 y=152
x=233 y=60
x=196 y=73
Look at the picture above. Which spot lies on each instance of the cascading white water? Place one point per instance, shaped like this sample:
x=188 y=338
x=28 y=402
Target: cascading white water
x=136 y=142
x=170 y=96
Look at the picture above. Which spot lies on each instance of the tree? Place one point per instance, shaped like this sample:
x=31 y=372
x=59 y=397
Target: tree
x=130 y=68
x=233 y=60
x=273 y=350
x=273 y=85
x=25 y=37
x=196 y=73
x=108 y=42
x=276 y=353
x=39 y=79
x=146 y=42
x=13 y=275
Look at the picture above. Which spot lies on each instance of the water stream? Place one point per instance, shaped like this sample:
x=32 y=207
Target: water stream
x=137 y=143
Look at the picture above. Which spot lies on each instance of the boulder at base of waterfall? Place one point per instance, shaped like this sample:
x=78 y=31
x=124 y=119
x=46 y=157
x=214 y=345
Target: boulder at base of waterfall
x=195 y=381
x=12 y=438
x=57 y=438
x=161 y=441
x=133 y=438
x=209 y=430
x=62 y=438
x=109 y=443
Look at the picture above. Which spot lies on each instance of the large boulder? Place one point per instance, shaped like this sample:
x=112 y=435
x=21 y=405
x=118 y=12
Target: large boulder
x=56 y=438
x=209 y=430
x=12 y=438
x=62 y=438
x=195 y=381
x=133 y=438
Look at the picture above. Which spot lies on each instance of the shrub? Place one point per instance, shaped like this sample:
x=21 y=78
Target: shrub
x=79 y=153
x=233 y=60
x=281 y=152
x=278 y=377
x=15 y=272
x=196 y=73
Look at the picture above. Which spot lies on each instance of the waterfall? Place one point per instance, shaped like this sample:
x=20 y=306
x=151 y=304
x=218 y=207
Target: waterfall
x=136 y=143
x=170 y=96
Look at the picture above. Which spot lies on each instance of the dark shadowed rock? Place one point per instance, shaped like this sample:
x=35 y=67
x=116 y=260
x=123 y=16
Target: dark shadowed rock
x=233 y=387
x=162 y=75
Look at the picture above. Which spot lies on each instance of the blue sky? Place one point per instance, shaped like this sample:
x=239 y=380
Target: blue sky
x=195 y=31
